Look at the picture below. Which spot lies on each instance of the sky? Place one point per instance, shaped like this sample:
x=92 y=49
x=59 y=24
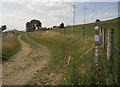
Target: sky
x=16 y=13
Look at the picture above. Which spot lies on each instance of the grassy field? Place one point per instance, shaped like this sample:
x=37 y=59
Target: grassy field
x=10 y=46
x=89 y=29
x=32 y=45
x=81 y=70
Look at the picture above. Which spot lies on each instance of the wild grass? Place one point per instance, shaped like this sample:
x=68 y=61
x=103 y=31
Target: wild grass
x=81 y=70
x=10 y=46
x=89 y=29
x=25 y=39
x=59 y=45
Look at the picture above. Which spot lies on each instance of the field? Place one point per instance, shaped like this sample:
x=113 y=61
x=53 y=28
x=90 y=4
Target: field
x=81 y=69
x=89 y=29
x=69 y=64
x=10 y=46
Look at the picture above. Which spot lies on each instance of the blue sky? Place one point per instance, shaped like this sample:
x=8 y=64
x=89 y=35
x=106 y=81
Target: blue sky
x=16 y=14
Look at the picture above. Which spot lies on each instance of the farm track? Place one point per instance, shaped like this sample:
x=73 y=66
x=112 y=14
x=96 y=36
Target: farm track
x=22 y=67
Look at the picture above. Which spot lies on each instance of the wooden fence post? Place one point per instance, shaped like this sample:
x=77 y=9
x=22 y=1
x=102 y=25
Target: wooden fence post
x=96 y=60
x=103 y=40
x=83 y=30
x=100 y=33
x=96 y=43
x=110 y=45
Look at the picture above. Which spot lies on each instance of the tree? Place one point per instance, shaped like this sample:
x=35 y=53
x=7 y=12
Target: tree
x=4 y=27
x=62 y=25
x=97 y=20
x=27 y=26
x=35 y=23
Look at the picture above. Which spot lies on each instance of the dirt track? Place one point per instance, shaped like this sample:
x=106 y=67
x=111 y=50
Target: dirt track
x=21 y=68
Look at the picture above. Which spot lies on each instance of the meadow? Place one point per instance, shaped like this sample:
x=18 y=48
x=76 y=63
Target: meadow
x=80 y=71
x=89 y=29
x=10 y=46
x=81 y=67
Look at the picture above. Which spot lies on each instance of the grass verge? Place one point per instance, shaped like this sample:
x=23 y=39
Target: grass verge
x=81 y=70
x=10 y=46
x=63 y=46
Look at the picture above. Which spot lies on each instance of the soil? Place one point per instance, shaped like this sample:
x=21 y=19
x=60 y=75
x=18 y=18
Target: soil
x=22 y=67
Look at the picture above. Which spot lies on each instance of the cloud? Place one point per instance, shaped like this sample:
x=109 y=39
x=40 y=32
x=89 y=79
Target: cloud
x=16 y=14
x=13 y=21
x=110 y=14
x=61 y=0
x=56 y=11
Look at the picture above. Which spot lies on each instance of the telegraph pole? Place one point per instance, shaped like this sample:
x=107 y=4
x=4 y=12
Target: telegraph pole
x=73 y=7
x=84 y=9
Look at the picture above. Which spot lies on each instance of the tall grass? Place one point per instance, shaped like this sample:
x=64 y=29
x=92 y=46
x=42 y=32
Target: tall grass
x=59 y=44
x=10 y=46
x=81 y=70
x=89 y=29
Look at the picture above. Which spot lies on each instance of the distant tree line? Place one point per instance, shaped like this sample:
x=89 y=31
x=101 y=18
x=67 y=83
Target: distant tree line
x=37 y=25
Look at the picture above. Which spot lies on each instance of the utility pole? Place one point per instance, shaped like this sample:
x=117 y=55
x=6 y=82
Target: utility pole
x=84 y=9
x=73 y=7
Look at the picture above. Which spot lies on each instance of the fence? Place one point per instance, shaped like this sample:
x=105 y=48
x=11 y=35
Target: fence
x=105 y=41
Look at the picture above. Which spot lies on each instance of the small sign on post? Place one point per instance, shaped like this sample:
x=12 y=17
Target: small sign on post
x=96 y=37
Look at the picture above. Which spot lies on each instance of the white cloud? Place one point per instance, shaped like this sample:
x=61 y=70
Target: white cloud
x=56 y=11
x=61 y=0
x=110 y=14
x=13 y=22
x=92 y=14
x=49 y=13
